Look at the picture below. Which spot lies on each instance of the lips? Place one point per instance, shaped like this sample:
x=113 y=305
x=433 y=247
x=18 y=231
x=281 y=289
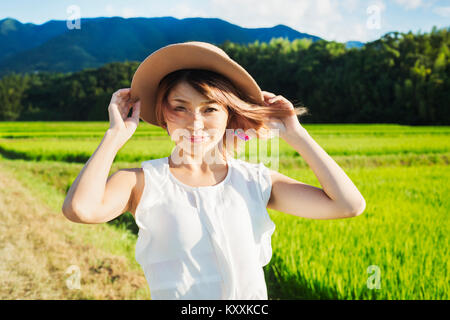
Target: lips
x=197 y=138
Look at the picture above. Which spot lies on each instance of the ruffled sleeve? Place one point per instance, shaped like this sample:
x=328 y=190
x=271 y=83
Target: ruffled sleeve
x=264 y=227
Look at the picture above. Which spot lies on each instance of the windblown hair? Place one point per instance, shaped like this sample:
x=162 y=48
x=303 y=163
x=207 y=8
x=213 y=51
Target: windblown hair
x=244 y=112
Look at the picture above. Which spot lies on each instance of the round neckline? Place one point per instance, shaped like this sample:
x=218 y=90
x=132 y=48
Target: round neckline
x=175 y=179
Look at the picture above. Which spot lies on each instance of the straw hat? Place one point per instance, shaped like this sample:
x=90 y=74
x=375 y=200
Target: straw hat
x=186 y=55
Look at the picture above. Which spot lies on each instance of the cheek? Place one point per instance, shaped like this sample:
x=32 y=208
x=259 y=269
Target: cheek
x=221 y=120
x=218 y=125
x=173 y=119
x=175 y=124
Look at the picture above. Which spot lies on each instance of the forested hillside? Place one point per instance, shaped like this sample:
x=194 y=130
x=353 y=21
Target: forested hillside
x=400 y=78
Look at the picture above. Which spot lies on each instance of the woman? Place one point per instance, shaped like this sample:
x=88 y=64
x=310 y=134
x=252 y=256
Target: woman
x=204 y=230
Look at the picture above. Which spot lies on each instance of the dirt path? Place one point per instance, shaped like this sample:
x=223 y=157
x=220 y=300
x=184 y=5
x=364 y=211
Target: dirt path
x=41 y=258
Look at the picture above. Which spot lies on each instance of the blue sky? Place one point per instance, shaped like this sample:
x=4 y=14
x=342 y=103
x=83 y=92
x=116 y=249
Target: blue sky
x=339 y=20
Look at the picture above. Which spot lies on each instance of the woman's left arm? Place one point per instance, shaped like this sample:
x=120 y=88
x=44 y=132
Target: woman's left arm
x=339 y=197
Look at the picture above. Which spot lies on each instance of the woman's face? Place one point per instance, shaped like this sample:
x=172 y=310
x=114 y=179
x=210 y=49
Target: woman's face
x=192 y=115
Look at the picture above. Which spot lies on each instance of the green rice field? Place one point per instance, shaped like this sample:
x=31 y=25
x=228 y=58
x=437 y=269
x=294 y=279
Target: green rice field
x=401 y=240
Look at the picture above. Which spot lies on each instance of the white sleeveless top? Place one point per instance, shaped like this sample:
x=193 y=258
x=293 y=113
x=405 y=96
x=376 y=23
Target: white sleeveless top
x=207 y=242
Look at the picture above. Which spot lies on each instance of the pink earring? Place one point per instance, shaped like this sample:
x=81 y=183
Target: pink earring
x=241 y=134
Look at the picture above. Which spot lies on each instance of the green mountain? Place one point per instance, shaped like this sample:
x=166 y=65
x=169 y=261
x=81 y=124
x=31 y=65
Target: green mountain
x=52 y=46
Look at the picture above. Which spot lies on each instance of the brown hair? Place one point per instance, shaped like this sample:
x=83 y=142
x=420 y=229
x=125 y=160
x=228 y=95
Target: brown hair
x=244 y=112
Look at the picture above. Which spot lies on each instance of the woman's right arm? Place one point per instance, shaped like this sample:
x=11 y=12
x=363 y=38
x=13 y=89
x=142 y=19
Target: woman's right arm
x=93 y=197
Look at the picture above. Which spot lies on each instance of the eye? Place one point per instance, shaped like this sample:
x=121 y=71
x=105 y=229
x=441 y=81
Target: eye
x=213 y=109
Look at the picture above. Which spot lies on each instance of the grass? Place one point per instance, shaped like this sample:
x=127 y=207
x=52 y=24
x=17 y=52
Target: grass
x=401 y=171
x=39 y=246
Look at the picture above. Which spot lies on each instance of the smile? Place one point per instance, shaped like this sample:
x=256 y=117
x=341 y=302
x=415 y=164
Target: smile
x=198 y=138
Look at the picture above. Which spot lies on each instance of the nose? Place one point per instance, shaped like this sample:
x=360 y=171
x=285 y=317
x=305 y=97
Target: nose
x=197 y=123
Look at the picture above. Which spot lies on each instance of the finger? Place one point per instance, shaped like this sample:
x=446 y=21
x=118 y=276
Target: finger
x=119 y=105
x=114 y=111
x=136 y=111
x=119 y=100
x=123 y=91
x=269 y=94
x=275 y=98
x=128 y=106
x=122 y=95
x=124 y=103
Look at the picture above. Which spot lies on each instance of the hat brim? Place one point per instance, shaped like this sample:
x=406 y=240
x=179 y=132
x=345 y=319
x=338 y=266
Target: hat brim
x=188 y=55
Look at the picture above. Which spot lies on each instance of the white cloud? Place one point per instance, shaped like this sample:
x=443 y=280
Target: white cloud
x=256 y=13
x=379 y=3
x=409 y=4
x=350 y=5
x=339 y=20
x=109 y=9
x=382 y=5
x=128 y=12
x=359 y=32
x=185 y=10
x=442 y=11
x=317 y=17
